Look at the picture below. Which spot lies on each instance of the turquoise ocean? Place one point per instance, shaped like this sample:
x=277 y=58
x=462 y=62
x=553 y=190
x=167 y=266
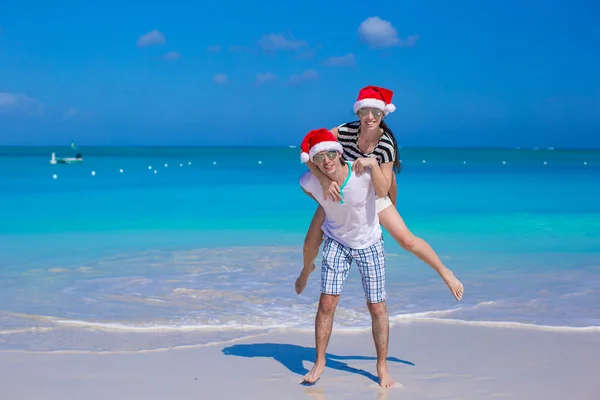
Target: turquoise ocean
x=148 y=248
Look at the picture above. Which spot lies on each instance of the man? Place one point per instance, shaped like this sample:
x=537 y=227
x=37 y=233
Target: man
x=352 y=232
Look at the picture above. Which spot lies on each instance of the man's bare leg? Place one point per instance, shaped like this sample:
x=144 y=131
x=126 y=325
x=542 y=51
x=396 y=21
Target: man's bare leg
x=381 y=331
x=323 y=326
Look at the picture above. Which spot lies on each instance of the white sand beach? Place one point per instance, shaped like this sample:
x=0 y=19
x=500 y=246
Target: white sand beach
x=430 y=360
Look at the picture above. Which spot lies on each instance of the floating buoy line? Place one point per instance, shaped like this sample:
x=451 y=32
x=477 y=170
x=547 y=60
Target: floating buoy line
x=166 y=165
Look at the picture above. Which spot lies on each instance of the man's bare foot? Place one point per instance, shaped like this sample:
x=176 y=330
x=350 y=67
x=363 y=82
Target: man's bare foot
x=315 y=373
x=455 y=286
x=385 y=380
x=303 y=278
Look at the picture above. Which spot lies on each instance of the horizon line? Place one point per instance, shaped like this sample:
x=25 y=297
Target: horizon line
x=550 y=148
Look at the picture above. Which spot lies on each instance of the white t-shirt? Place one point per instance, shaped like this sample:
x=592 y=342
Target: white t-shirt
x=354 y=223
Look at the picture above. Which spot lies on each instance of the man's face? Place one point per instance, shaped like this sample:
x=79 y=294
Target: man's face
x=327 y=161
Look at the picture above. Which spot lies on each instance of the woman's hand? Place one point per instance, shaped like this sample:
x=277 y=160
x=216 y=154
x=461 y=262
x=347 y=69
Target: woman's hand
x=331 y=190
x=361 y=163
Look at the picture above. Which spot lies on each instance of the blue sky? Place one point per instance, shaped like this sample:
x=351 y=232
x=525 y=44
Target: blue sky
x=464 y=73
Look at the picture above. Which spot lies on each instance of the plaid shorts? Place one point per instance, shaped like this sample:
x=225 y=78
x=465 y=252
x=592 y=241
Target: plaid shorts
x=371 y=265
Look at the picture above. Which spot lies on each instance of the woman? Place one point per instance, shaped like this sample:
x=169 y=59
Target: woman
x=370 y=137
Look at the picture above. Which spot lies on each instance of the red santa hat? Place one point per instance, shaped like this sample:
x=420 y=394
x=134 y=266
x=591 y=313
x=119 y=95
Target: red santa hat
x=375 y=97
x=316 y=141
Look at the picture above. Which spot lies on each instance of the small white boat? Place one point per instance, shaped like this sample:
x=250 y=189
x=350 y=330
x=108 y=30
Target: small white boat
x=66 y=160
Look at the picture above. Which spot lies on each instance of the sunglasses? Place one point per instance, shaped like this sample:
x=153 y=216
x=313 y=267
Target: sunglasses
x=363 y=112
x=319 y=158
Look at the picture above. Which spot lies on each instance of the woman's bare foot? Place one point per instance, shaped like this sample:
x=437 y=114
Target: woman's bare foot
x=315 y=373
x=455 y=286
x=303 y=278
x=385 y=380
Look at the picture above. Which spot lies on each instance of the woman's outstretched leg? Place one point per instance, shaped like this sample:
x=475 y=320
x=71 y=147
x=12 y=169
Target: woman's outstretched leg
x=394 y=224
x=312 y=242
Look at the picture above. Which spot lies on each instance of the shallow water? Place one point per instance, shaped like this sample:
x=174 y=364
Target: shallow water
x=201 y=252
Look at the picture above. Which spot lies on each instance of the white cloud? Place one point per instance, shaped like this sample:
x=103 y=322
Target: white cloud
x=19 y=103
x=172 y=55
x=310 y=53
x=214 y=49
x=306 y=76
x=274 y=42
x=70 y=113
x=151 y=38
x=261 y=79
x=342 y=61
x=379 y=33
x=220 y=79
x=410 y=41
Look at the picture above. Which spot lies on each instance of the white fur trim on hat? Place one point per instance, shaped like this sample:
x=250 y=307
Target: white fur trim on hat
x=325 y=146
x=374 y=103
